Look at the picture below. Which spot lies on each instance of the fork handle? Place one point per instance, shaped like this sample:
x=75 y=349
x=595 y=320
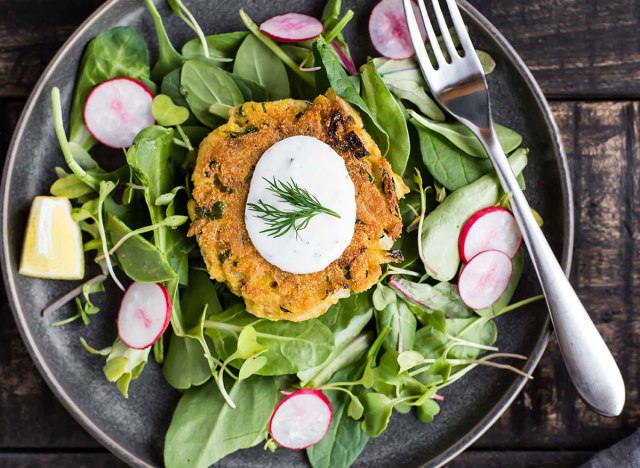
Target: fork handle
x=589 y=362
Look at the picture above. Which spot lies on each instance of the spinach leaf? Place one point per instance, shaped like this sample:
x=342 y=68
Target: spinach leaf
x=204 y=85
x=442 y=297
x=168 y=57
x=334 y=76
x=345 y=439
x=120 y=51
x=256 y=62
x=204 y=429
x=461 y=137
x=185 y=364
x=251 y=91
x=387 y=112
x=446 y=163
x=432 y=343
x=292 y=346
x=402 y=322
x=442 y=226
x=404 y=79
x=223 y=45
x=346 y=320
x=138 y=258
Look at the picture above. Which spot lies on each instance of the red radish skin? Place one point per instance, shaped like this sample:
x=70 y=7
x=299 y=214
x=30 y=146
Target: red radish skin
x=346 y=61
x=145 y=314
x=483 y=280
x=116 y=110
x=301 y=419
x=292 y=27
x=388 y=29
x=492 y=228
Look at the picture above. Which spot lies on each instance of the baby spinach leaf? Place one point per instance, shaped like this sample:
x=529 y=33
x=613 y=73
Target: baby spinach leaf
x=334 y=76
x=432 y=343
x=387 y=112
x=345 y=439
x=223 y=45
x=138 y=258
x=204 y=429
x=442 y=226
x=168 y=57
x=185 y=364
x=256 y=62
x=442 y=297
x=292 y=346
x=251 y=91
x=120 y=51
x=404 y=79
x=460 y=136
x=203 y=85
x=346 y=320
x=446 y=163
x=402 y=322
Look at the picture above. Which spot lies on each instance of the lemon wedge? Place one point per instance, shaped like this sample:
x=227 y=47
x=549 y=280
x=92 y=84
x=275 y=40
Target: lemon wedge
x=53 y=243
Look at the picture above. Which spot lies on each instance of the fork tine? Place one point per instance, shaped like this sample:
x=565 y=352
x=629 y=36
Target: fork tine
x=461 y=29
x=416 y=38
x=444 y=30
x=433 y=39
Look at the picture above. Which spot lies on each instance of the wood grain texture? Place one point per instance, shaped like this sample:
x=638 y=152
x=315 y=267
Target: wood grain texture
x=575 y=48
x=601 y=140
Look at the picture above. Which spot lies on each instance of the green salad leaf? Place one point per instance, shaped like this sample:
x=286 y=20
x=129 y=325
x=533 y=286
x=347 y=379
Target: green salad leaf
x=292 y=346
x=204 y=429
x=258 y=64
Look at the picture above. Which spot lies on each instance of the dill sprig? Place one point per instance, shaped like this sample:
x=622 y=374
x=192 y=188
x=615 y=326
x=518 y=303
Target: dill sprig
x=305 y=205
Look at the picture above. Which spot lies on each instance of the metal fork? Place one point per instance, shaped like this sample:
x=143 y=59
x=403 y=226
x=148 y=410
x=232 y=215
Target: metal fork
x=460 y=87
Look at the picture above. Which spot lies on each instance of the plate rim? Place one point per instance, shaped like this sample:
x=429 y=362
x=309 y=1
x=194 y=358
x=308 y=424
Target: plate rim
x=128 y=457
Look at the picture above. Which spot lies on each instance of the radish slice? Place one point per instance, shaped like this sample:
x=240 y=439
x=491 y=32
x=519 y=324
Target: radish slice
x=484 y=279
x=492 y=228
x=292 y=27
x=145 y=313
x=301 y=419
x=344 y=58
x=388 y=29
x=117 y=110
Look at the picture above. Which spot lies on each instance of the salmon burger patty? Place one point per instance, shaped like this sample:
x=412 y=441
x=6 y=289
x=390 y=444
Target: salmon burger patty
x=222 y=177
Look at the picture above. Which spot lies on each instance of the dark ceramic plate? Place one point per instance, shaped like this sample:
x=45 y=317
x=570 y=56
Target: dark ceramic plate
x=134 y=429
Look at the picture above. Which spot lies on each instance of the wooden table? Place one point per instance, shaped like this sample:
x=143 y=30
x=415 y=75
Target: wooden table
x=586 y=56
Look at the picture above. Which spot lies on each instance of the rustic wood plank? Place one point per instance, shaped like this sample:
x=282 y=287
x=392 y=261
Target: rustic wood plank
x=576 y=48
x=601 y=140
x=30 y=34
x=30 y=416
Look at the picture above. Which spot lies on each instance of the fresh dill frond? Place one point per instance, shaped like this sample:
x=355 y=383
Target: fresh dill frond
x=305 y=207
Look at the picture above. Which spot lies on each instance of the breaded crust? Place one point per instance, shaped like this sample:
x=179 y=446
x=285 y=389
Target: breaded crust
x=226 y=160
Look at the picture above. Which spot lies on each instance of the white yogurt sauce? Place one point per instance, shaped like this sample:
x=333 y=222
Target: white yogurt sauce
x=316 y=167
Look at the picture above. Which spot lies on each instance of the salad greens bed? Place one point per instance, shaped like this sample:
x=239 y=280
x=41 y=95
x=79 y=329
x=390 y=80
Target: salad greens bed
x=392 y=348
